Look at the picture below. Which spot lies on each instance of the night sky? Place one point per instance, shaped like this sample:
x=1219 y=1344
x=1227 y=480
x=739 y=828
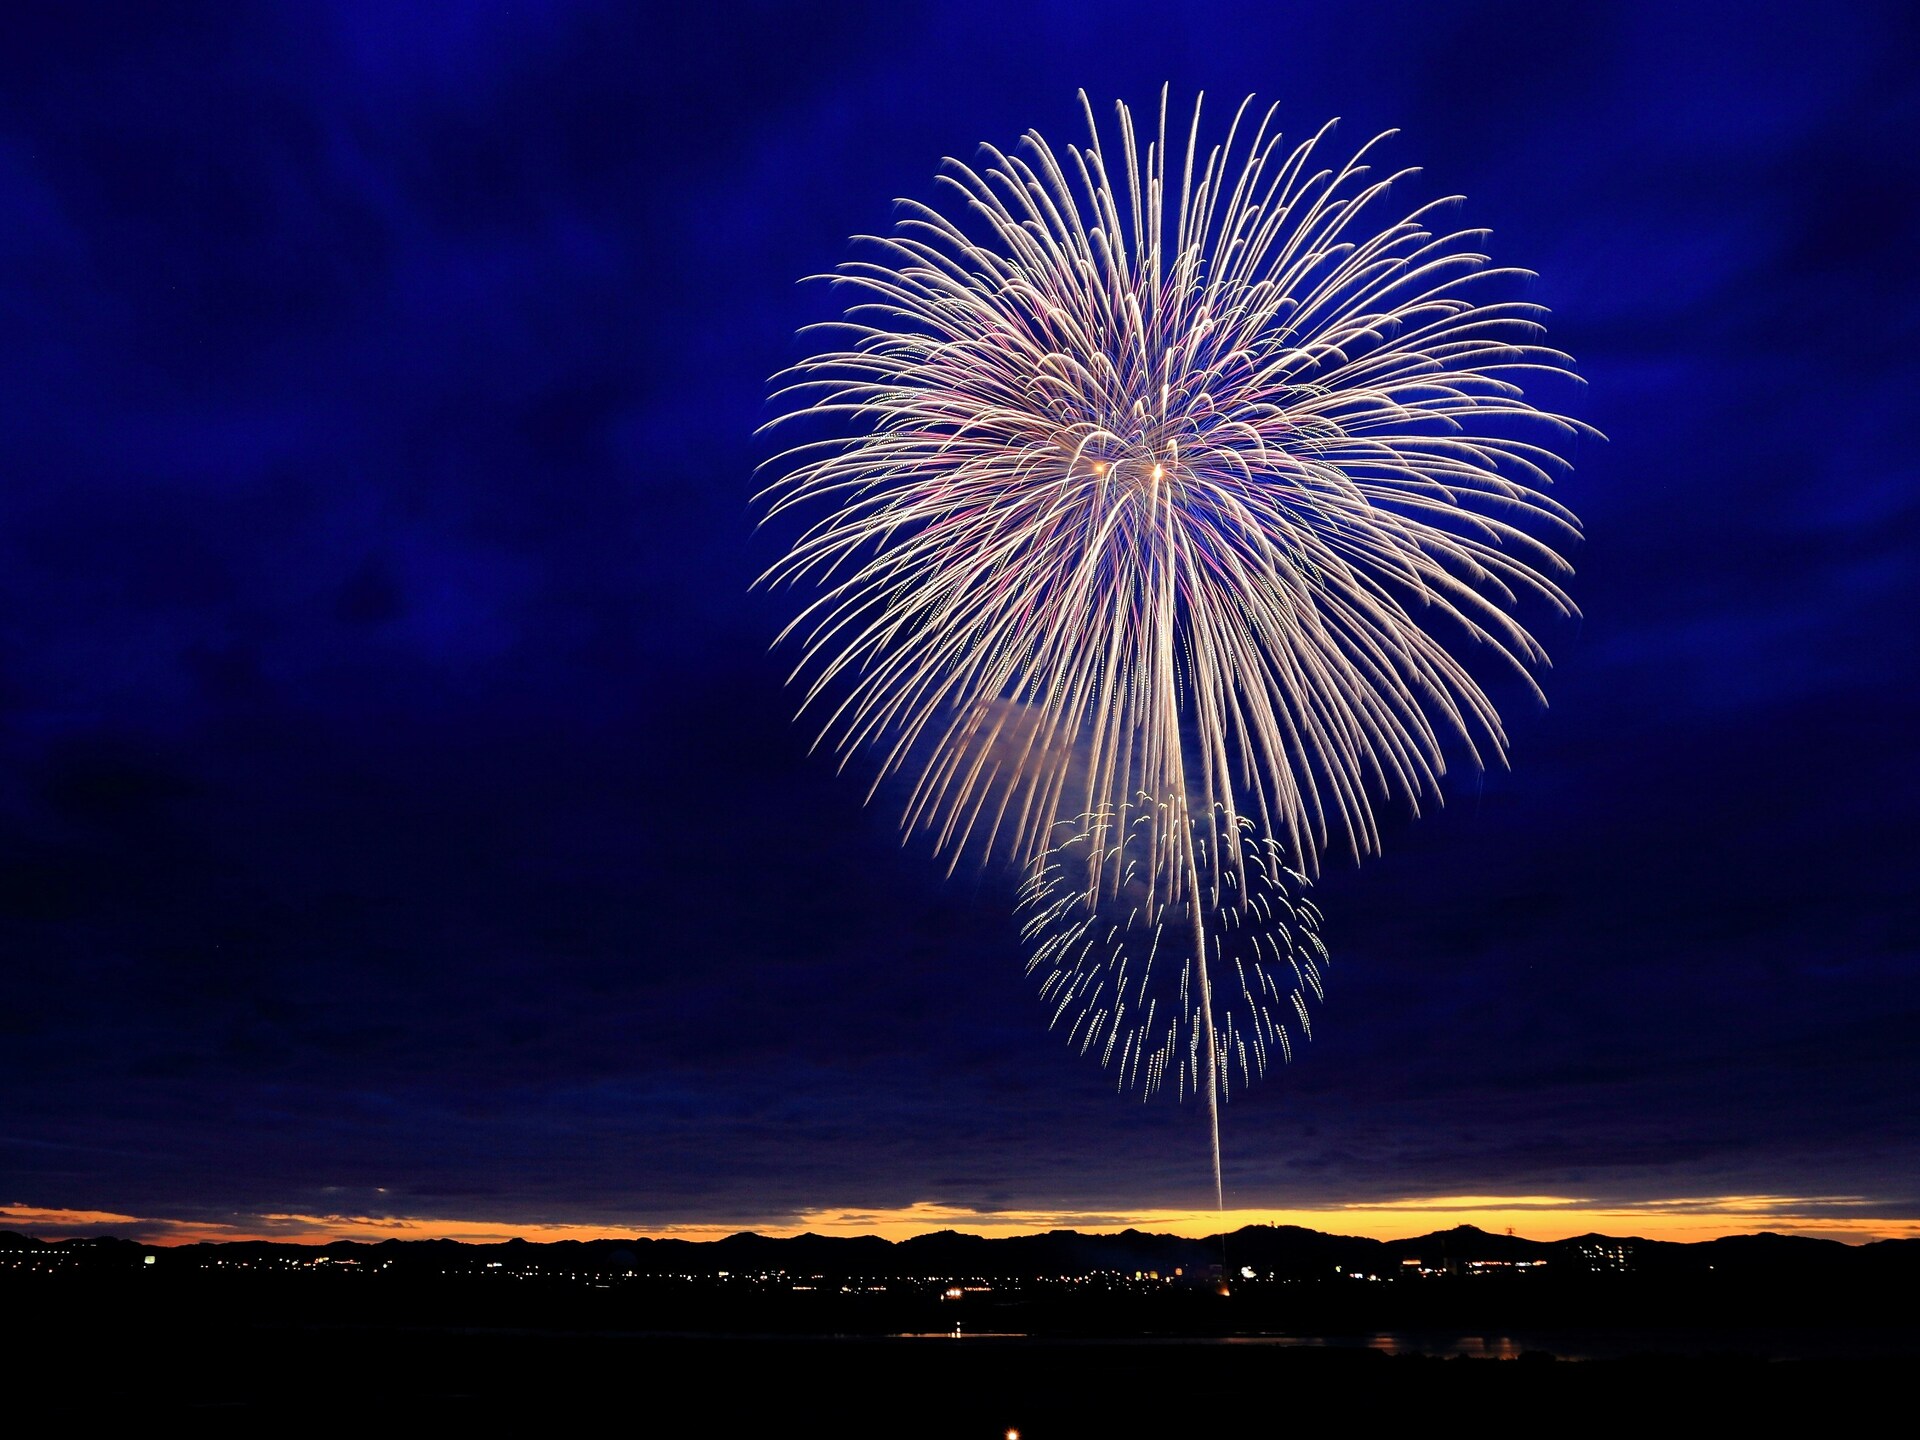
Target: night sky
x=401 y=814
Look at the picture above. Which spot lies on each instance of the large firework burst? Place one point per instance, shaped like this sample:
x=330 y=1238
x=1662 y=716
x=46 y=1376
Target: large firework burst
x=1166 y=489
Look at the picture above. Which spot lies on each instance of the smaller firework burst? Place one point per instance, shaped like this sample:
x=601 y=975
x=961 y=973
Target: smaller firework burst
x=1113 y=949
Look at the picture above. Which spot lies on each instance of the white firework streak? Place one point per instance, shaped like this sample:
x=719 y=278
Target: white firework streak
x=1163 y=483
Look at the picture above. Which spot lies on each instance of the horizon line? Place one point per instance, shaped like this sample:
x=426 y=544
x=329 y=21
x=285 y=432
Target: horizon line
x=1850 y=1219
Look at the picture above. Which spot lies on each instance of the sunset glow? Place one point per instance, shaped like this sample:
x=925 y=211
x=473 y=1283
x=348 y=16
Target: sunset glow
x=1853 y=1219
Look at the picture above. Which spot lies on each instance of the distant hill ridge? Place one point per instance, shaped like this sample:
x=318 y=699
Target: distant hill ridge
x=1287 y=1250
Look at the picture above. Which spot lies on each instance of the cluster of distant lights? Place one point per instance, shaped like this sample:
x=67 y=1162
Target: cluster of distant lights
x=946 y=1287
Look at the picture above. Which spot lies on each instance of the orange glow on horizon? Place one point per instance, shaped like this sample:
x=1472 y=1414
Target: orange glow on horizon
x=1534 y=1217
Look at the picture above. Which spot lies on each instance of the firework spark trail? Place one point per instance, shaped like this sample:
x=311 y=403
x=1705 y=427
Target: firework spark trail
x=1106 y=949
x=1167 y=484
x=1104 y=957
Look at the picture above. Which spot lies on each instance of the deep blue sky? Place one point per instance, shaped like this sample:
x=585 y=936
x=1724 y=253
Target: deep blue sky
x=399 y=810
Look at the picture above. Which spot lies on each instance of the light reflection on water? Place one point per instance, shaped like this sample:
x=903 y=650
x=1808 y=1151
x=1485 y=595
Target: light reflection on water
x=956 y=1333
x=1783 y=1344
x=1772 y=1344
x=1486 y=1347
x=1492 y=1347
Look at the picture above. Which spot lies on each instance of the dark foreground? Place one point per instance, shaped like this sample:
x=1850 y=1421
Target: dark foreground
x=491 y=1381
x=255 y=1357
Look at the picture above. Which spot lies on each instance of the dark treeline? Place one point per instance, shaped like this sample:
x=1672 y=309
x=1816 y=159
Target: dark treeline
x=1257 y=1280
x=1276 y=1252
